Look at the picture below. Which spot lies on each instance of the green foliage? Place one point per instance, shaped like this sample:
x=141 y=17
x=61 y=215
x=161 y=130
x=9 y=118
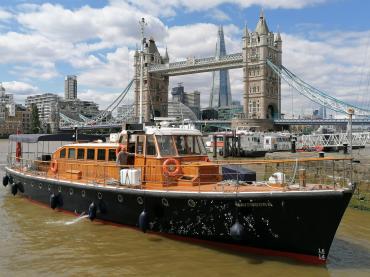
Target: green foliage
x=35 y=120
x=48 y=129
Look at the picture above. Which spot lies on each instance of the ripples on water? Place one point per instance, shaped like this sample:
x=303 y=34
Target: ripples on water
x=37 y=241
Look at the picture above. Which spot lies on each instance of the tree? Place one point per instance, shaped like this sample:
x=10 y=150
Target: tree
x=35 y=120
x=48 y=128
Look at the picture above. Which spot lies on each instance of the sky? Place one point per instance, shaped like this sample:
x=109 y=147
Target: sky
x=325 y=42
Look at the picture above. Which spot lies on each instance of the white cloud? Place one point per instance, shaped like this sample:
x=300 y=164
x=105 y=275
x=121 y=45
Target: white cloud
x=98 y=44
x=219 y=15
x=43 y=70
x=168 y=8
x=20 y=90
x=334 y=62
x=5 y=15
x=114 y=73
x=114 y=24
x=79 y=37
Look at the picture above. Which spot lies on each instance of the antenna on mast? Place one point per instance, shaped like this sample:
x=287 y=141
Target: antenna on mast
x=142 y=26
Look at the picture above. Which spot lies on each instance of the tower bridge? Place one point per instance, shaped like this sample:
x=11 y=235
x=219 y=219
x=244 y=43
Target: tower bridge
x=261 y=95
x=261 y=62
x=194 y=65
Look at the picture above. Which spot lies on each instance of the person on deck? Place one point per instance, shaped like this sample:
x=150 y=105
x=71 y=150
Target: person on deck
x=123 y=158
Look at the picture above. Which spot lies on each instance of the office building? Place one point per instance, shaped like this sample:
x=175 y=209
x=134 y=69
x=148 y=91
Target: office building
x=70 y=87
x=221 y=92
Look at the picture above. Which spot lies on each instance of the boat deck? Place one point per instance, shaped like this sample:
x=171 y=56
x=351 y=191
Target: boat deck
x=224 y=186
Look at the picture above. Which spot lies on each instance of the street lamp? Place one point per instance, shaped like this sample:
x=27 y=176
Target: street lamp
x=350 y=113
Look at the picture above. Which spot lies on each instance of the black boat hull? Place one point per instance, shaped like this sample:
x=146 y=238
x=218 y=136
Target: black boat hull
x=253 y=153
x=301 y=225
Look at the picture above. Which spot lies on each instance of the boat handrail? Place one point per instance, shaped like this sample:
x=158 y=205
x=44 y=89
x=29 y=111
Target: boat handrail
x=291 y=172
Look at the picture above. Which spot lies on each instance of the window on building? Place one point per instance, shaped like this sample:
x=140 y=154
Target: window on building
x=90 y=154
x=80 y=153
x=101 y=154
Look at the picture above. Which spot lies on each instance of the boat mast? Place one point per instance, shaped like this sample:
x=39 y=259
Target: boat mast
x=142 y=25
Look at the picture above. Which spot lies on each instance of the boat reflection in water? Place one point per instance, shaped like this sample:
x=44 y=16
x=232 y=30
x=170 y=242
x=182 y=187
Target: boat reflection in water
x=168 y=185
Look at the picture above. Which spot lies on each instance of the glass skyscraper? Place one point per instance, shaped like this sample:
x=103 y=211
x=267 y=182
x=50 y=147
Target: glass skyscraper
x=221 y=93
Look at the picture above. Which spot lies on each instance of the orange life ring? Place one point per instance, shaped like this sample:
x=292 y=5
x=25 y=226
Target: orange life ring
x=169 y=164
x=54 y=166
x=18 y=152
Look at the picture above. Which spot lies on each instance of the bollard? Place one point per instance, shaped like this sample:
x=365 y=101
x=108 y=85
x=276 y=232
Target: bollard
x=239 y=145
x=302 y=177
x=225 y=150
x=293 y=146
x=345 y=148
x=214 y=146
x=321 y=154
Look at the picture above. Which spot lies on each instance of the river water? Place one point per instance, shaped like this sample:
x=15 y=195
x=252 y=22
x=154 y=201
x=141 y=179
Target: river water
x=38 y=241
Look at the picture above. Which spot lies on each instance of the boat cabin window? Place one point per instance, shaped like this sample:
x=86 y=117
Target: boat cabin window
x=166 y=146
x=189 y=145
x=182 y=149
x=71 y=153
x=112 y=155
x=62 y=153
x=150 y=146
x=185 y=145
x=90 y=154
x=192 y=145
x=80 y=153
x=101 y=154
x=131 y=144
x=140 y=145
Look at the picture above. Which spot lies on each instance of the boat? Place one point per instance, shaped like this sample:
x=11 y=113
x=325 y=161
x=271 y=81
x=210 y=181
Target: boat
x=250 y=144
x=170 y=187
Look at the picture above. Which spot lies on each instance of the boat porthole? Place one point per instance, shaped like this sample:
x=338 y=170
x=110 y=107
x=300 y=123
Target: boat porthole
x=59 y=189
x=40 y=186
x=191 y=203
x=49 y=188
x=83 y=194
x=140 y=200
x=165 y=202
x=71 y=191
x=100 y=196
x=120 y=198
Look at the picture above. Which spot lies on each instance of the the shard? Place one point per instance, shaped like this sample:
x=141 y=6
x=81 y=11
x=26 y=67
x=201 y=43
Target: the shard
x=221 y=93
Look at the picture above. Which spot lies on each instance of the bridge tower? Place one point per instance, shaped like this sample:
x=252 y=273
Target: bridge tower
x=155 y=85
x=262 y=87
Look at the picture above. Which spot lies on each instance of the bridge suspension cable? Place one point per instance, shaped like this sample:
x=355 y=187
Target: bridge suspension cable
x=314 y=94
x=114 y=104
x=66 y=121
